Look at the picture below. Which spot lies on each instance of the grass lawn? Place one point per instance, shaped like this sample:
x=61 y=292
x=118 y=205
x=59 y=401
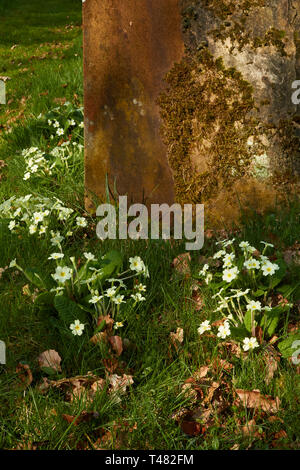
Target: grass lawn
x=156 y=382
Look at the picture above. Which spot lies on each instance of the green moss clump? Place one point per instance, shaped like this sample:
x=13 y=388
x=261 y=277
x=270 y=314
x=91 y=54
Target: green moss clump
x=207 y=121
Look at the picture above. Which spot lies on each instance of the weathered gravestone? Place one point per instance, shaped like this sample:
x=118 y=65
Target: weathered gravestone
x=225 y=113
x=129 y=46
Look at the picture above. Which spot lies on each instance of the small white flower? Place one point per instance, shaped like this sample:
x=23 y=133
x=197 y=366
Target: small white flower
x=230 y=274
x=111 y=292
x=208 y=278
x=89 y=256
x=219 y=254
x=32 y=229
x=95 y=299
x=118 y=299
x=250 y=343
x=244 y=245
x=56 y=239
x=56 y=124
x=118 y=324
x=38 y=217
x=81 y=124
x=26 y=176
x=81 y=222
x=224 y=330
x=252 y=264
x=205 y=326
x=56 y=256
x=254 y=306
x=60 y=131
x=12 y=225
x=228 y=260
x=204 y=269
x=138 y=297
x=77 y=328
x=62 y=274
x=267 y=244
x=264 y=259
x=239 y=293
x=43 y=229
x=140 y=287
x=225 y=242
x=13 y=263
x=72 y=122
x=222 y=305
x=268 y=268
x=137 y=264
x=58 y=290
x=34 y=168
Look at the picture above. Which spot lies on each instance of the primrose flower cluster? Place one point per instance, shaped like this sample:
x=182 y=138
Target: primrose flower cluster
x=86 y=282
x=63 y=128
x=223 y=331
x=38 y=215
x=241 y=278
x=57 y=161
x=253 y=262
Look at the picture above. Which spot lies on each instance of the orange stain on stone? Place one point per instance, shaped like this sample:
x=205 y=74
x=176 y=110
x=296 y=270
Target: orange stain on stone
x=129 y=46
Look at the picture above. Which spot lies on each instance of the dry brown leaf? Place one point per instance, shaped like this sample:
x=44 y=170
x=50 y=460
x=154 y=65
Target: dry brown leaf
x=192 y=428
x=85 y=417
x=189 y=392
x=181 y=264
x=271 y=358
x=50 y=358
x=120 y=383
x=198 y=302
x=99 y=337
x=202 y=372
x=116 y=344
x=249 y=428
x=218 y=365
x=177 y=338
x=24 y=374
x=110 y=365
x=109 y=322
x=235 y=447
x=254 y=399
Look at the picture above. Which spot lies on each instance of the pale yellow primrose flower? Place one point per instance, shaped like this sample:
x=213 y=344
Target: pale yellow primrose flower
x=252 y=306
x=268 y=268
x=77 y=328
x=62 y=274
x=250 y=343
x=230 y=274
x=205 y=326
